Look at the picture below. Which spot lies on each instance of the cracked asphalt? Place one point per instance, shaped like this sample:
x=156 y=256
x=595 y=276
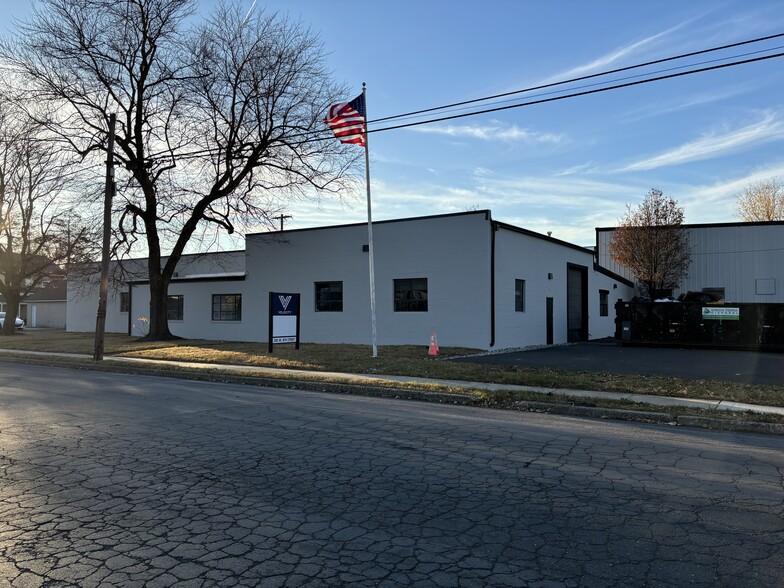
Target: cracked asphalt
x=117 y=480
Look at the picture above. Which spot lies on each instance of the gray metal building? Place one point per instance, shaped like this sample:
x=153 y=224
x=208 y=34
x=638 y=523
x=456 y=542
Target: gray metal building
x=742 y=262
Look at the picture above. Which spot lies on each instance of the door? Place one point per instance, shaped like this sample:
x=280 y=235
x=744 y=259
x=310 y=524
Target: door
x=549 y=321
x=577 y=302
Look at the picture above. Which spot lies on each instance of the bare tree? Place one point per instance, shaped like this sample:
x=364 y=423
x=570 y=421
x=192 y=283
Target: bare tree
x=219 y=125
x=761 y=201
x=653 y=244
x=40 y=231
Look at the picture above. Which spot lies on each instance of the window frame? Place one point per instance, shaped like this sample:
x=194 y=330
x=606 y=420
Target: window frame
x=604 y=303
x=519 y=295
x=409 y=302
x=223 y=315
x=328 y=303
x=180 y=307
x=125 y=301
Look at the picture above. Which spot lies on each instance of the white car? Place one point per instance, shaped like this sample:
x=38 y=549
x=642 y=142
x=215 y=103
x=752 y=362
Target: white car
x=19 y=324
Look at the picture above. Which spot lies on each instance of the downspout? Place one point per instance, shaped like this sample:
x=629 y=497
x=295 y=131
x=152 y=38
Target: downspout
x=493 y=229
x=130 y=307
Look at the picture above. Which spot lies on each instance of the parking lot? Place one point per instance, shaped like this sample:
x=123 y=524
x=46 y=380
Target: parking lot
x=748 y=367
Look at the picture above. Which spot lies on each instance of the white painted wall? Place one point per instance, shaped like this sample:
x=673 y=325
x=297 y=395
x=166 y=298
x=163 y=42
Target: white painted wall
x=452 y=252
x=197 y=320
x=82 y=307
x=82 y=301
x=533 y=258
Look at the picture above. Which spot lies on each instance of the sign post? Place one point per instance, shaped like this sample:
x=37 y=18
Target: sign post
x=283 y=319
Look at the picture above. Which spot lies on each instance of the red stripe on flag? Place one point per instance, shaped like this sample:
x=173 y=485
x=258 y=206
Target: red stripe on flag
x=347 y=124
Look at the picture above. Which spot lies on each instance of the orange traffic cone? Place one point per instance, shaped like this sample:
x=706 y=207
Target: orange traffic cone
x=433 y=350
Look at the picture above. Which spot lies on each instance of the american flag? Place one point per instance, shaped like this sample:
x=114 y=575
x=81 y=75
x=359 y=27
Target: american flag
x=347 y=120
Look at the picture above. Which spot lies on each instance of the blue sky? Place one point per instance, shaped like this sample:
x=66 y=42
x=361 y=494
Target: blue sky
x=568 y=166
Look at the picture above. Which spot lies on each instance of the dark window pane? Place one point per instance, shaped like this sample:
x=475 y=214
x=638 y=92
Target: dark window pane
x=411 y=295
x=604 y=296
x=227 y=307
x=329 y=296
x=519 y=295
x=174 y=307
x=125 y=301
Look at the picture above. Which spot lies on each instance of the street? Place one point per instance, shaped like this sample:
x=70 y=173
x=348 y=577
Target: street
x=110 y=479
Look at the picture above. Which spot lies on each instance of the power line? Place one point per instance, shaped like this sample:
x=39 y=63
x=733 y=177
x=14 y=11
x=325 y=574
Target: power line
x=636 y=76
x=320 y=135
x=582 y=78
x=577 y=94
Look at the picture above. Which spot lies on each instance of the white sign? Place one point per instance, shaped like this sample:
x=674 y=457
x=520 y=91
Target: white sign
x=284 y=329
x=721 y=313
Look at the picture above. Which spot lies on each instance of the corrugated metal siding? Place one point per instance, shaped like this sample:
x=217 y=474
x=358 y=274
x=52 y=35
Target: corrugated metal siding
x=604 y=259
x=732 y=257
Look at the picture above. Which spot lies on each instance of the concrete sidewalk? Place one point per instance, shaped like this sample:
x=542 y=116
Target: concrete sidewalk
x=365 y=379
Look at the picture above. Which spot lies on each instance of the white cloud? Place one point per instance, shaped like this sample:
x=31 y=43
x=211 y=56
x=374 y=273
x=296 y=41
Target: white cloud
x=770 y=128
x=611 y=59
x=483 y=172
x=492 y=132
x=583 y=168
x=716 y=202
x=684 y=103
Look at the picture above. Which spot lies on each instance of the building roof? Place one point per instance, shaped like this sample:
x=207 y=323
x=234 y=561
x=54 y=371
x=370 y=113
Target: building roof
x=485 y=212
x=716 y=225
x=52 y=292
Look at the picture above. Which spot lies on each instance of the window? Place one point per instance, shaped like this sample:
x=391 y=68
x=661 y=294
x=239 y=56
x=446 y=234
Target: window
x=519 y=295
x=227 y=307
x=604 y=303
x=329 y=296
x=411 y=295
x=174 y=307
x=125 y=301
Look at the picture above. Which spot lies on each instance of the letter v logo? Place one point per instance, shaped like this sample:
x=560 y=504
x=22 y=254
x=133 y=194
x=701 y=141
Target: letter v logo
x=284 y=301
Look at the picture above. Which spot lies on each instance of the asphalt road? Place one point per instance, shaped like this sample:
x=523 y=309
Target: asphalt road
x=749 y=367
x=139 y=481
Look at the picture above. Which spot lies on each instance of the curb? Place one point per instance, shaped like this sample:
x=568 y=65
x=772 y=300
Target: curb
x=575 y=408
x=598 y=412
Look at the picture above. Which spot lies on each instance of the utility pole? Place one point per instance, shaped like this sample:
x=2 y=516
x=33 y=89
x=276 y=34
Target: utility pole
x=100 y=321
x=281 y=217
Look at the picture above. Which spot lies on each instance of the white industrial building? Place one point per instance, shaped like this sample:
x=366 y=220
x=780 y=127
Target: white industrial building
x=475 y=282
x=740 y=262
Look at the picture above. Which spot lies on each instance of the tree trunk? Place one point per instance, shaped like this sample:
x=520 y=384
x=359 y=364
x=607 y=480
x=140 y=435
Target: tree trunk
x=159 y=320
x=12 y=300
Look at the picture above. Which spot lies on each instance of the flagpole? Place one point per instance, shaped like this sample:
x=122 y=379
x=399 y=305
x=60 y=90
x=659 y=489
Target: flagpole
x=370 y=234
